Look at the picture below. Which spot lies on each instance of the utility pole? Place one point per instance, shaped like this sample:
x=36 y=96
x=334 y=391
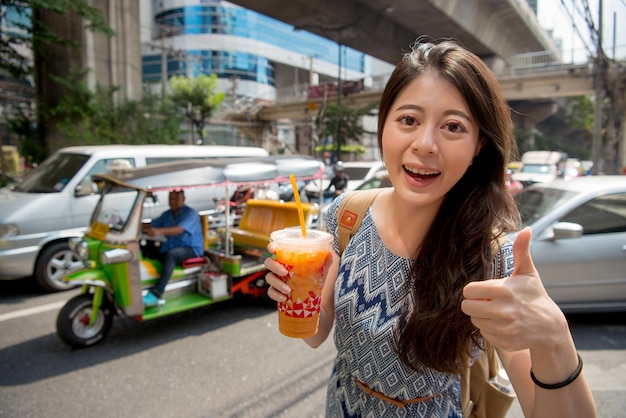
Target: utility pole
x=339 y=94
x=339 y=31
x=163 y=62
x=599 y=89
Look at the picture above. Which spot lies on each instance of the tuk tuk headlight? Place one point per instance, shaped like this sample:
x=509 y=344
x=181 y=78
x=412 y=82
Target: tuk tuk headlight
x=73 y=243
x=80 y=247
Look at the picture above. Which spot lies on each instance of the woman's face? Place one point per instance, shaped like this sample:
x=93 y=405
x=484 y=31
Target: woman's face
x=429 y=139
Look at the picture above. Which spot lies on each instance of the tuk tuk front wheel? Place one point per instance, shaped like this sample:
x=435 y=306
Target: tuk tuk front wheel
x=73 y=321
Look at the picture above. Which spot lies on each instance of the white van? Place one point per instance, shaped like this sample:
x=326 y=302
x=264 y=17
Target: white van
x=54 y=202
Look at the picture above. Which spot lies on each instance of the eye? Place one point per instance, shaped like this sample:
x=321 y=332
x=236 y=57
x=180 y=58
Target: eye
x=455 y=127
x=408 y=120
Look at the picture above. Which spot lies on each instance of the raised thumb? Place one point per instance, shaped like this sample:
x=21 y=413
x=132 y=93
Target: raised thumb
x=521 y=253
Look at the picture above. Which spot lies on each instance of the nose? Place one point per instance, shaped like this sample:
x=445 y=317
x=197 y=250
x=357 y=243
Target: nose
x=425 y=141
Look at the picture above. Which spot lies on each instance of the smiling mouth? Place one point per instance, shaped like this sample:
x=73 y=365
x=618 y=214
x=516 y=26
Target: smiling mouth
x=421 y=174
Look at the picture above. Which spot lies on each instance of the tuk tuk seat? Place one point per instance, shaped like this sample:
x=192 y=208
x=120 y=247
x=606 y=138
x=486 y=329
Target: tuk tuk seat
x=261 y=217
x=193 y=262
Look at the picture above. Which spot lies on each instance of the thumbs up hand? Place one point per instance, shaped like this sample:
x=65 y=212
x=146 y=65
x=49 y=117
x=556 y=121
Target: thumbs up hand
x=514 y=313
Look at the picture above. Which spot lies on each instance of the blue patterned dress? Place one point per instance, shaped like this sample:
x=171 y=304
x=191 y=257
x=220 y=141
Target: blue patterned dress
x=369 y=293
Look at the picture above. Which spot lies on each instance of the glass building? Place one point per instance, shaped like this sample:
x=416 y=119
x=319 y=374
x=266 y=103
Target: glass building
x=256 y=58
x=219 y=37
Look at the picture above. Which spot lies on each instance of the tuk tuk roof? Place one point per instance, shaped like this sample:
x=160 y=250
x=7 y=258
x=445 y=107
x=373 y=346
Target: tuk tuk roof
x=184 y=174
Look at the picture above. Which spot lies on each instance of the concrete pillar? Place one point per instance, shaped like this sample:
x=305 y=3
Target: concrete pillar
x=111 y=62
x=303 y=139
x=529 y=114
x=621 y=159
x=496 y=63
x=116 y=61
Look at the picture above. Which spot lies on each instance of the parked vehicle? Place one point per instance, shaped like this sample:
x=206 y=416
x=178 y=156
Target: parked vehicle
x=116 y=271
x=579 y=240
x=570 y=168
x=312 y=189
x=381 y=179
x=539 y=167
x=54 y=202
x=514 y=186
x=359 y=171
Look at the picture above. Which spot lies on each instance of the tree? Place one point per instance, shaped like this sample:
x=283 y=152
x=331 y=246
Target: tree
x=28 y=32
x=93 y=117
x=197 y=98
x=347 y=122
x=32 y=35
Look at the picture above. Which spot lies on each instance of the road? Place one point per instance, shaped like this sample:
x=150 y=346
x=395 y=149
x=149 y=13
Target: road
x=226 y=360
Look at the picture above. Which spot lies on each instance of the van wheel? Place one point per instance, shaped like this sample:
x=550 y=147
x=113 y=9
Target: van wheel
x=73 y=321
x=53 y=264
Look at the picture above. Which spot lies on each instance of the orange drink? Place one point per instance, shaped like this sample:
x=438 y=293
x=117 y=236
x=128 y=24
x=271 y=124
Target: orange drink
x=304 y=258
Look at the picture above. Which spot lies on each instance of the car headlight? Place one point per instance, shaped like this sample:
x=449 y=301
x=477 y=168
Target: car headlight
x=9 y=230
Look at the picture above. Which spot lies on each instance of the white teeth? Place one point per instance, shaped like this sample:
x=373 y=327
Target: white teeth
x=420 y=172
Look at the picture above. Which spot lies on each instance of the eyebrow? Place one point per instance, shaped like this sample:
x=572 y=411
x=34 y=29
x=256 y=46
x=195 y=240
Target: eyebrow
x=447 y=112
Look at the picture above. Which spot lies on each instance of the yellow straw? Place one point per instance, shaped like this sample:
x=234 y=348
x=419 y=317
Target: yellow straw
x=298 y=204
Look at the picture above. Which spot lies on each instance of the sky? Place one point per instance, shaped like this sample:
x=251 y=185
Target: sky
x=555 y=15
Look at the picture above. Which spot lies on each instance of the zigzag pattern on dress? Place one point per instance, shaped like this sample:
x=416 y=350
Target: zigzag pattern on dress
x=370 y=292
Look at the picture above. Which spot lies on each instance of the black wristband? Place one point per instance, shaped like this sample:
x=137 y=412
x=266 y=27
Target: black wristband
x=563 y=383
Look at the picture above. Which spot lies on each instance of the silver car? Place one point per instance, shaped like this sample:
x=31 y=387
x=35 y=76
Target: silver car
x=579 y=240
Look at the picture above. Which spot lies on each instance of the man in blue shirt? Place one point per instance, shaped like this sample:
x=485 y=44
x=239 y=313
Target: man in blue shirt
x=181 y=226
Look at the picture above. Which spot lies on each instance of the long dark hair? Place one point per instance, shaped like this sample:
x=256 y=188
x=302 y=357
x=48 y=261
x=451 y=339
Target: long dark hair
x=433 y=331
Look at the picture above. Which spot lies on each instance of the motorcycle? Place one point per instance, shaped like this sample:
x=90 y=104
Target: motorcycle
x=119 y=268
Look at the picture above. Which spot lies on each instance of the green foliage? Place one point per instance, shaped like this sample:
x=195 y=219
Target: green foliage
x=581 y=114
x=32 y=34
x=88 y=117
x=196 y=98
x=345 y=149
x=28 y=136
x=344 y=125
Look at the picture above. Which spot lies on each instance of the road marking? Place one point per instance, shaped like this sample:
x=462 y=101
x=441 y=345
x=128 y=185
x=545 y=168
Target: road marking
x=31 y=311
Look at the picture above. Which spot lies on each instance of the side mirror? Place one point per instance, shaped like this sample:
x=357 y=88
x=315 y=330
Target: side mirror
x=566 y=230
x=86 y=187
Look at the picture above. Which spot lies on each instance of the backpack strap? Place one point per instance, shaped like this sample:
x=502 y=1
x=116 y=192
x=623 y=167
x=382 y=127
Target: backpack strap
x=351 y=212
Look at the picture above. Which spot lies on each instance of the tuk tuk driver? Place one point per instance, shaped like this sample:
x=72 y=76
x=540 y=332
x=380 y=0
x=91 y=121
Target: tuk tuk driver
x=181 y=226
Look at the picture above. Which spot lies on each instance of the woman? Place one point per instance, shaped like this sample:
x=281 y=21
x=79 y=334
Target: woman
x=409 y=296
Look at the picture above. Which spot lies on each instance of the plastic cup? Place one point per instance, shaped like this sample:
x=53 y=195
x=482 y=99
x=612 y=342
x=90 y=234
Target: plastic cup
x=304 y=258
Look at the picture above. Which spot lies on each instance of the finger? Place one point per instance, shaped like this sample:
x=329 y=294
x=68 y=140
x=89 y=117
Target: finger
x=275 y=267
x=276 y=295
x=277 y=283
x=524 y=265
x=481 y=290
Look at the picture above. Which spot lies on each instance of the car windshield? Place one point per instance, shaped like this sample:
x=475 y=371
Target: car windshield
x=375 y=182
x=114 y=208
x=356 y=173
x=533 y=202
x=53 y=174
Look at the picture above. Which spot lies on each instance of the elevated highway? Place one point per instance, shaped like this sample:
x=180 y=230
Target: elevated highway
x=383 y=28
x=539 y=84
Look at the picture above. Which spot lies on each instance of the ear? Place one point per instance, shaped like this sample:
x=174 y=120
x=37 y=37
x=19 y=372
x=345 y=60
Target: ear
x=481 y=143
